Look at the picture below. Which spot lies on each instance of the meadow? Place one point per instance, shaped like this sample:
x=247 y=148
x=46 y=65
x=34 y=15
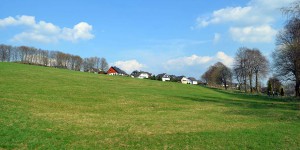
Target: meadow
x=50 y=108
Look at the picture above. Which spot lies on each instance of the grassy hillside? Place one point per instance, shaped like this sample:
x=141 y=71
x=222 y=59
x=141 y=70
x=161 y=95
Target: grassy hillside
x=48 y=108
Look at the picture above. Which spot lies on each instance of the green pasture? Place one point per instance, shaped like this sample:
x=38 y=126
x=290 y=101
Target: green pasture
x=49 y=108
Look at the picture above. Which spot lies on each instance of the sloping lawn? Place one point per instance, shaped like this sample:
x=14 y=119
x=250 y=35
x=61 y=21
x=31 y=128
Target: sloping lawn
x=49 y=108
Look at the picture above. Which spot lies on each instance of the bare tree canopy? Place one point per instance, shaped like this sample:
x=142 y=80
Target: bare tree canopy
x=218 y=74
x=247 y=64
x=31 y=55
x=287 y=54
x=274 y=85
x=292 y=11
x=103 y=64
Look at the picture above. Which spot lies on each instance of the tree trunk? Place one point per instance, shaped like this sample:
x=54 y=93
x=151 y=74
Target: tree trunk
x=225 y=84
x=250 y=82
x=245 y=84
x=297 y=88
x=256 y=82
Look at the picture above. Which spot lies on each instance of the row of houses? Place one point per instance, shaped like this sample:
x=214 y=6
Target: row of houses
x=182 y=79
x=146 y=75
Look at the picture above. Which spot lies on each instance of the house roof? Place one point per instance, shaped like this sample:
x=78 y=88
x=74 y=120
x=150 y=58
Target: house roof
x=163 y=75
x=173 y=76
x=192 y=79
x=180 y=77
x=138 y=73
x=118 y=70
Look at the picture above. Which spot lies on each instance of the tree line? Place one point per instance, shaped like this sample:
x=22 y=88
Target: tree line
x=250 y=66
x=32 y=55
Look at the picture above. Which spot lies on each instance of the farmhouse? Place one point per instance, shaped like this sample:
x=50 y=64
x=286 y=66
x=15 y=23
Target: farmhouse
x=183 y=80
x=193 y=80
x=163 y=77
x=140 y=74
x=116 y=71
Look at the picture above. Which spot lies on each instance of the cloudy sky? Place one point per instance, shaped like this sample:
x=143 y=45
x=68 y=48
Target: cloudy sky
x=177 y=37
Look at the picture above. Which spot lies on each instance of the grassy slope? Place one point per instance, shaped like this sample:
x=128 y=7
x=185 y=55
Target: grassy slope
x=52 y=108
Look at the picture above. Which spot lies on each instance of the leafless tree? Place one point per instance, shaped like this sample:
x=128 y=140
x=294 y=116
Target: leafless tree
x=260 y=67
x=78 y=61
x=293 y=10
x=287 y=54
x=210 y=76
x=241 y=66
x=5 y=52
x=217 y=75
x=89 y=64
x=31 y=55
x=45 y=57
x=249 y=63
x=103 y=64
x=223 y=74
x=274 y=84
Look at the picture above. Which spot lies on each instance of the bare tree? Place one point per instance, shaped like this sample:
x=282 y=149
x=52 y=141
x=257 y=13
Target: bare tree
x=260 y=66
x=241 y=66
x=52 y=58
x=293 y=10
x=45 y=57
x=15 y=54
x=223 y=74
x=89 y=64
x=78 y=61
x=24 y=52
x=218 y=74
x=286 y=56
x=275 y=85
x=103 y=64
x=210 y=76
x=249 y=63
x=5 y=52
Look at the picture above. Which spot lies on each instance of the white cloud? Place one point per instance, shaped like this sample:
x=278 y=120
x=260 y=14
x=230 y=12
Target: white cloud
x=129 y=65
x=225 y=15
x=256 y=16
x=195 y=60
x=188 y=61
x=81 y=30
x=255 y=12
x=270 y=5
x=263 y=33
x=225 y=59
x=33 y=36
x=46 y=32
x=19 y=20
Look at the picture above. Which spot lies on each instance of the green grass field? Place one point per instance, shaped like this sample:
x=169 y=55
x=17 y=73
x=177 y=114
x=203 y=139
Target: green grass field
x=49 y=108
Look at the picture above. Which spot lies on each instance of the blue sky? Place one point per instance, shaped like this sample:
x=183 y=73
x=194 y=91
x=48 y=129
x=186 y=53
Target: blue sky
x=176 y=37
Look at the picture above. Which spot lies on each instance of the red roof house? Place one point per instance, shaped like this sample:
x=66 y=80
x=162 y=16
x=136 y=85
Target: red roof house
x=116 y=71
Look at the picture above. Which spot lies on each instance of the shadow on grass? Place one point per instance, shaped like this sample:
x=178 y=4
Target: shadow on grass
x=282 y=111
x=261 y=97
x=246 y=103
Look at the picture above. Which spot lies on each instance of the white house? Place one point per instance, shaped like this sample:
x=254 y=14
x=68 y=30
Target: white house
x=163 y=77
x=116 y=71
x=193 y=81
x=144 y=75
x=140 y=74
x=183 y=80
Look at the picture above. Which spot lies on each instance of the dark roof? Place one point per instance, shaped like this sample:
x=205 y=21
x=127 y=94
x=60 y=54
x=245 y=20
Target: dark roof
x=162 y=75
x=192 y=79
x=138 y=73
x=120 y=71
x=173 y=76
x=180 y=77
